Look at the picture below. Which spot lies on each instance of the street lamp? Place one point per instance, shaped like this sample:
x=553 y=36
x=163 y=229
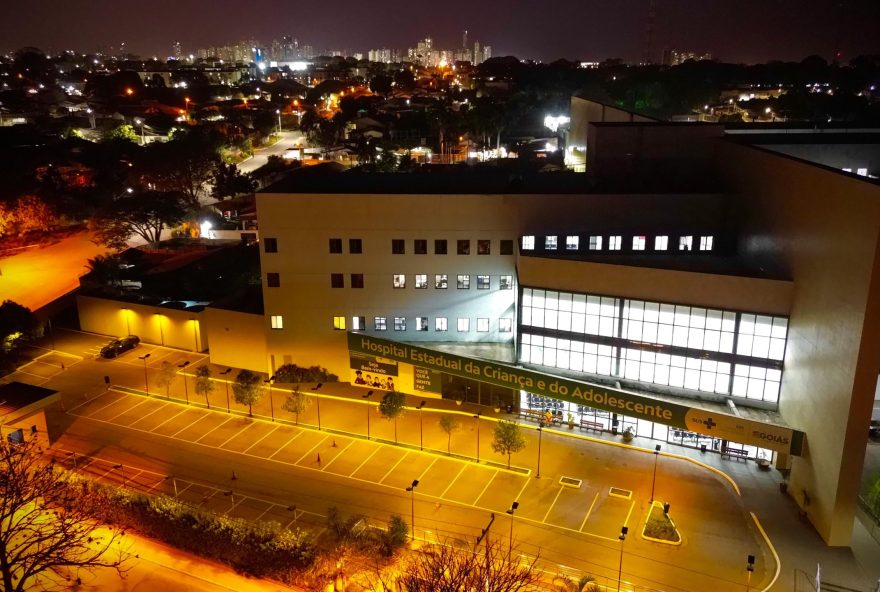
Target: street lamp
x=750 y=567
x=185 y=389
x=421 y=427
x=226 y=384
x=271 y=404
x=186 y=106
x=231 y=500
x=278 y=113
x=477 y=417
x=623 y=531
x=122 y=468
x=540 y=432
x=140 y=122
x=412 y=490
x=146 y=383
x=510 y=511
x=367 y=396
x=654 y=478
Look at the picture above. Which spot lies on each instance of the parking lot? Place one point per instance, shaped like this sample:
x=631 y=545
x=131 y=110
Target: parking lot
x=588 y=507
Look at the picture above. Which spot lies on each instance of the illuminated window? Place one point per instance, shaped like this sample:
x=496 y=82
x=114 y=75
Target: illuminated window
x=277 y=321
x=440 y=247
x=420 y=246
x=357 y=280
x=400 y=323
x=639 y=243
x=595 y=243
x=528 y=243
x=505 y=282
x=862 y=171
x=421 y=323
x=482 y=325
x=505 y=325
x=441 y=281
x=661 y=243
x=273 y=280
x=484 y=247
x=440 y=324
x=685 y=243
x=506 y=247
x=337 y=280
x=270 y=245
x=464 y=325
x=464 y=247
x=614 y=243
x=706 y=243
x=572 y=242
x=335 y=245
x=421 y=281
x=551 y=242
x=464 y=282
x=482 y=282
x=355 y=246
x=379 y=324
x=339 y=323
x=358 y=323
x=399 y=281
x=398 y=246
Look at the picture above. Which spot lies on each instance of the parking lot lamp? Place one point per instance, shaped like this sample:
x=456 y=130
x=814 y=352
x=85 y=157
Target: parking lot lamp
x=654 y=478
x=412 y=490
x=185 y=388
x=623 y=531
x=146 y=382
x=226 y=384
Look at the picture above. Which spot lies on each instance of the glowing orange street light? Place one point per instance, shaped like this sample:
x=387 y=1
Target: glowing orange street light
x=129 y=91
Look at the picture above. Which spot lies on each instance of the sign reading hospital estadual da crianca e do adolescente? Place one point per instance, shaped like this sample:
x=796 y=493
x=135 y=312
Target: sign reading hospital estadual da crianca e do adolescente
x=719 y=425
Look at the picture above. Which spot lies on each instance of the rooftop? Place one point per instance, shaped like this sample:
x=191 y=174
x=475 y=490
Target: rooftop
x=16 y=396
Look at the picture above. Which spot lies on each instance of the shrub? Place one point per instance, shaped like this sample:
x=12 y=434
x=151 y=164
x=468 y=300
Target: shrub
x=298 y=374
x=395 y=536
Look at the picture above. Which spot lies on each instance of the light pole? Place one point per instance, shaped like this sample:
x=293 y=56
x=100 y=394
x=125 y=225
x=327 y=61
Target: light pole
x=226 y=384
x=73 y=454
x=278 y=113
x=186 y=105
x=367 y=396
x=231 y=500
x=540 y=432
x=121 y=468
x=412 y=491
x=654 y=478
x=750 y=567
x=185 y=389
x=146 y=383
x=140 y=122
x=271 y=404
x=510 y=511
x=477 y=417
x=622 y=537
x=421 y=427
x=318 y=405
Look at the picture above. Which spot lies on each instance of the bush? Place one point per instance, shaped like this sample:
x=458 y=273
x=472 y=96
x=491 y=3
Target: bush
x=293 y=373
x=395 y=536
x=659 y=526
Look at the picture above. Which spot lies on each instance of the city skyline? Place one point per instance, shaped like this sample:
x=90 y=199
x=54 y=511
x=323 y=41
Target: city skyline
x=748 y=32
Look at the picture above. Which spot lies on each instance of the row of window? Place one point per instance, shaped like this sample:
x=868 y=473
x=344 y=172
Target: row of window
x=615 y=243
x=463 y=282
x=483 y=325
x=441 y=246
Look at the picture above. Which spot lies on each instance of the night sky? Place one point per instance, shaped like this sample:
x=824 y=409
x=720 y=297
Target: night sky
x=733 y=30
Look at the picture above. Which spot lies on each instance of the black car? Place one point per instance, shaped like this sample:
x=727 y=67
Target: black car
x=119 y=346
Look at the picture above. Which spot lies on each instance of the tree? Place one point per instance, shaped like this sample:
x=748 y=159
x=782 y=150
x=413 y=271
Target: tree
x=391 y=407
x=18 y=326
x=124 y=132
x=448 y=424
x=229 y=182
x=34 y=214
x=247 y=389
x=167 y=374
x=395 y=536
x=296 y=402
x=144 y=214
x=204 y=384
x=507 y=438
x=103 y=270
x=46 y=531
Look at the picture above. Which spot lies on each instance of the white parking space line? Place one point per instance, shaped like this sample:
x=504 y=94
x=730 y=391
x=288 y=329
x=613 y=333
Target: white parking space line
x=230 y=437
x=258 y=518
x=628 y=514
x=526 y=484
x=294 y=437
x=324 y=439
x=590 y=511
x=425 y=472
x=197 y=420
x=96 y=411
x=400 y=460
x=163 y=406
x=217 y=427
x=85 y=402
x=363 y=462
x=260 y=439
x=488 y=483
x=463 y=467
x=127 y=410
x=166 y=421
x=558 y=493
x=341 y=452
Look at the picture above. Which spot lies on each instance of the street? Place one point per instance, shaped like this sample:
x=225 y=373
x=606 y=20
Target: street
x=287 y=140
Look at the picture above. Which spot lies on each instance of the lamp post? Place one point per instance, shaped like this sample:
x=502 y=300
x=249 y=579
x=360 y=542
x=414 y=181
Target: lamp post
x=185 y=389
x=750 y=567
x=140 y=122
x=226 y=384
x=186 y=106
x=121 y=468
x=271 y=404
x=367 y=396
x=654 y=478
x=540 y=432
x=412 y=490
x=622 y=537
x=510 y=511
x=146 y=383
x=278 y=113
x=477 y=417
x=318 y=405
x=421 y=427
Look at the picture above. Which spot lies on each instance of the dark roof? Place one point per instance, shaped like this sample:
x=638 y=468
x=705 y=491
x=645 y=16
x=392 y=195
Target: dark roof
x=18 y=395
x=249 y=300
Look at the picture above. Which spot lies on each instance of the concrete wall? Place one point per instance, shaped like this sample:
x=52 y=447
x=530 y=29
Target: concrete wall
x=839 y=156
x=585 y=111
x=153 y=324
x=823 y=226
x=237 y=339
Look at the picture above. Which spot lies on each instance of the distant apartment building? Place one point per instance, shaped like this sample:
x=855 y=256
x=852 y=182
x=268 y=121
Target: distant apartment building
x=675 y=57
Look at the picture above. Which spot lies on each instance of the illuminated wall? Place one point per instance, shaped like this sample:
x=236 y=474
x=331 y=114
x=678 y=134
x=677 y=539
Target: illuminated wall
x=237 y=339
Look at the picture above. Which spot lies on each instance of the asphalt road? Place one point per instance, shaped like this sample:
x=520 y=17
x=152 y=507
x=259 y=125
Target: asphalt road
x=287 y=140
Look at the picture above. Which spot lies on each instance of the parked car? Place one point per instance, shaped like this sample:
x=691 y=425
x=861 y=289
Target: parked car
x=119 y=346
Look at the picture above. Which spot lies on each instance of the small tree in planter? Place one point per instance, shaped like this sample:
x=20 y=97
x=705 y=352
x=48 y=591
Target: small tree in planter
x=296 y=402
x=167 y=374
x=507 y=439
x=391 y=407
x=204 y=384
x=448 y=424
x=628 y=434
x=246 y=389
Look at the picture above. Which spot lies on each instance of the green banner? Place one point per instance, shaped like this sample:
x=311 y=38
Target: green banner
x=426 y=380
x=698 y=420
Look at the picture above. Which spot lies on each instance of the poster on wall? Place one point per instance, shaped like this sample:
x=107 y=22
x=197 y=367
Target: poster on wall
x=426 y=380
x=372 y=371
